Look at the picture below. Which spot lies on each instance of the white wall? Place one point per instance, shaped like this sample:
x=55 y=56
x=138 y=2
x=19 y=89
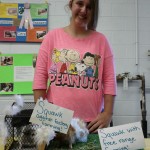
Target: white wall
x=118 y=22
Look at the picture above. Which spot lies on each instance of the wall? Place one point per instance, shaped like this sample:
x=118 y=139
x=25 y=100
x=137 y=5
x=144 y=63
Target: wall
x=118 y=22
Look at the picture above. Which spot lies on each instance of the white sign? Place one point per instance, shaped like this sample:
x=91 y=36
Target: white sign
x=51 y=115
x=124 y=137
x=23 y=73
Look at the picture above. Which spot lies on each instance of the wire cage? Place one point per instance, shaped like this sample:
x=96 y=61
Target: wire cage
x=20 y=131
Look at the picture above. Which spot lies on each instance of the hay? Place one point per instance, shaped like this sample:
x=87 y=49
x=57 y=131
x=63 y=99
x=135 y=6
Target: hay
x=92 y=144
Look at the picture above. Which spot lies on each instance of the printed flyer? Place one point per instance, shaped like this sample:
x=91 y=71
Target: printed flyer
x=16 y=73
x=10 y=18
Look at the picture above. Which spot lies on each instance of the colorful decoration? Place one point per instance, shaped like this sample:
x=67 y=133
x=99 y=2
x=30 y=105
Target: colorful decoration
x=17 y=22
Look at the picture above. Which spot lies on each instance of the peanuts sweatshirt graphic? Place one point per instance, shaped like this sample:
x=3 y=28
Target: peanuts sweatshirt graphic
x=68 y=68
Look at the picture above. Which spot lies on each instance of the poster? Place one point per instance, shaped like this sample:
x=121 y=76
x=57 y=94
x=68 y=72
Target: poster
x=16 y=73
x=10 y=17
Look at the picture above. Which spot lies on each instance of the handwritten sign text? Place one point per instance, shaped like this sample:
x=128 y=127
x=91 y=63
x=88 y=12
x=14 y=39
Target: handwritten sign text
x=51 y=115
x=124 y=137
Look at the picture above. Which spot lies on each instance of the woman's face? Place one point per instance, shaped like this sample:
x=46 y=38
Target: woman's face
x=81 y=12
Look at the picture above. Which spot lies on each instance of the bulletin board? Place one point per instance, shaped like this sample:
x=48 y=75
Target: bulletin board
x=10 y=18
x=16 y=73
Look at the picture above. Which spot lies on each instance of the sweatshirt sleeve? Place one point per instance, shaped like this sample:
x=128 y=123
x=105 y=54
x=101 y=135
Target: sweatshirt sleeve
x=109 y=75
x=41 y=75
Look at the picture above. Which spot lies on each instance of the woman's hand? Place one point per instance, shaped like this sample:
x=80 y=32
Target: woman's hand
x=101 y=121
x=40 y=93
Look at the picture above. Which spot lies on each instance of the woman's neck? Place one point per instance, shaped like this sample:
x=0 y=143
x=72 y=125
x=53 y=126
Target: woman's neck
x=76 y=31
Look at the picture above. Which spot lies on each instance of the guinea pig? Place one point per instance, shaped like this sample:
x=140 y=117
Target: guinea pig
x=66 y=139
x=77 y=132
x=80 y=129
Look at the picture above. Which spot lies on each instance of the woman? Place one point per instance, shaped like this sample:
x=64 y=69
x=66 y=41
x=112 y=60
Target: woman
x=89 y=75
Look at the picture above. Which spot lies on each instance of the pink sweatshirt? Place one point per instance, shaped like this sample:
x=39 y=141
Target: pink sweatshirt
x=80 y=71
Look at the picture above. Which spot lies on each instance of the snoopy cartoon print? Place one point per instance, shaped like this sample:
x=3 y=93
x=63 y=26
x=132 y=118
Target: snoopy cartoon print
x=80 y=67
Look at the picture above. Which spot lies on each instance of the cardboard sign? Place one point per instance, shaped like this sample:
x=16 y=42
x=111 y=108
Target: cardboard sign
x=124 y=137
x=50 y=115
x=1 y=144
x=147 y=143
